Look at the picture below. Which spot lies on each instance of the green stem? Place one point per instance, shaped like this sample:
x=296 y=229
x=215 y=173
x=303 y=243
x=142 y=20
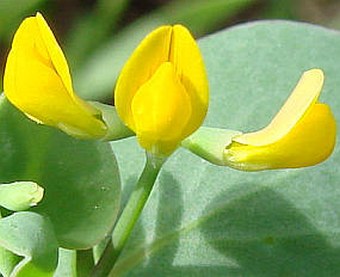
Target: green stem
x=129 y=216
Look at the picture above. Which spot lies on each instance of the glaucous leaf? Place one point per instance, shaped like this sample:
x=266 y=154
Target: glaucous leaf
x=8 y=261
x=80 y=178
x=31 y=236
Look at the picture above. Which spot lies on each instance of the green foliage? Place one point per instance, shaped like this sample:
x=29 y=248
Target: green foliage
x=204 y=220
x=67 y=263
x=92 y=28
x=12 y=11
x=281 y=9
x=200 y=16
x=31 y=236
x=8 y=261
x=95 y=82
x=80 y=178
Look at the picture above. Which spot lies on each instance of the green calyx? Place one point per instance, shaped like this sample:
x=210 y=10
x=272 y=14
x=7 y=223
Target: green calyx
x=210 y=143
x=116 y=129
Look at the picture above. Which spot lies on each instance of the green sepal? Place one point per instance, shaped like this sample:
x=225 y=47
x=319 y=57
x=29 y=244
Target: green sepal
x=210 y=143
x=116 y=129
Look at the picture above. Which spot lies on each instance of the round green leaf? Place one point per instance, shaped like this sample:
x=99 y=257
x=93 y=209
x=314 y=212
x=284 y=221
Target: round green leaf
x=31 y=236
x=80 y=178
x=205 y=220
x=8 y=261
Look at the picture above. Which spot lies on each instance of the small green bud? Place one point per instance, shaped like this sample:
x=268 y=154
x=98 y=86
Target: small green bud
x=20 y=195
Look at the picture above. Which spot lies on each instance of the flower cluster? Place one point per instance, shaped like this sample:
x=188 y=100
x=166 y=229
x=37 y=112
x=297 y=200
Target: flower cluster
x=162 y=97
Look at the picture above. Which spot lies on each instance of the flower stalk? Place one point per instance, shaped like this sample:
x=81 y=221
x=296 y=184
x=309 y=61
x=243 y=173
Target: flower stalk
x=129 y=216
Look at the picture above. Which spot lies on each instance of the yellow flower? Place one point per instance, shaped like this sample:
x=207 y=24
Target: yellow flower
x=37 y=81
x=301 y=134
x=162 y=91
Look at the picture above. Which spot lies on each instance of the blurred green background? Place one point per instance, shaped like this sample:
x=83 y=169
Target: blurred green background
x=97 y=36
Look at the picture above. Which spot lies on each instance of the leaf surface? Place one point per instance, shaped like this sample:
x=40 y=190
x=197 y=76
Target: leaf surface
x=30 y=236
x=80 y=178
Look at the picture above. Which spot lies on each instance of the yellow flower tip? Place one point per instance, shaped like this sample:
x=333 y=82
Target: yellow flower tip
x=158 y=124
x=162 y=91
x=301 y=134
x=38 y=82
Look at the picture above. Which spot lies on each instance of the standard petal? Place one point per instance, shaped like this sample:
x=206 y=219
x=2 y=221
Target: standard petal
x=161 y=118
x=33 y=85
x=143 y=63
x=188 y=62
x=302 y=98
x=54 y=52
x=309 y=142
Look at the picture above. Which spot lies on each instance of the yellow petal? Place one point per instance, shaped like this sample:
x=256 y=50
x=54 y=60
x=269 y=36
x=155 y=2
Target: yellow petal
x=141 y=66
x=309 y=142
x=37 y=81
x=161 y=109
x=54 y=53
x=301 y=134
x=189 y=66
x=165 y=44
x=302 y=98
